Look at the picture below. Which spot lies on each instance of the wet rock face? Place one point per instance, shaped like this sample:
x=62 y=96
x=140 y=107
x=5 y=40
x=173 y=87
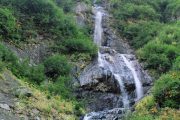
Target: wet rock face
x=100 y=87
x=112 y=40
x=99 y=101
x=98 y=79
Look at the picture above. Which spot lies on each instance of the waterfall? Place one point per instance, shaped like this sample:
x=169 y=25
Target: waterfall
x=139 y=89
x=98 y=28
x=102 y=59
x=115 y=63
x=123 y=91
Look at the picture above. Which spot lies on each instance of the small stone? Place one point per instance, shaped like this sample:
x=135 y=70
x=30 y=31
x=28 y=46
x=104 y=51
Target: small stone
x=5 y=106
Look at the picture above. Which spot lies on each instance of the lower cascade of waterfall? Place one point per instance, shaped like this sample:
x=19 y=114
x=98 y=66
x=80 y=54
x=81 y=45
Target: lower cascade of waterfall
x=139 y=90
x=121 y=68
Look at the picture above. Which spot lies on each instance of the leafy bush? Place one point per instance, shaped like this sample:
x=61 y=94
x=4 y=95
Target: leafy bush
x=67 y=5
x=166 y=90
x=145 y=104
x=6 y=55
x=82 y=45
x=135 y=116
x=2 y=66
x=170 y=34
x=158 y=56
x=37 y=74
x=8 y=24
x=60 y=87
x=56 y=66
x=141 y=33
x=133 y=11
x=176 y=65
x=172 y=10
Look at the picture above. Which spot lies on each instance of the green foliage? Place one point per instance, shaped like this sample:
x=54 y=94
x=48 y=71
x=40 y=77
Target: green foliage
x=176 y=65
x=44 y=14
x=60 y=87
x=135 y=116
x=81 y=44
x=2 y=66
x=161 y=52
x=67 y=5
x=145 y=104
x=6 y=55
x=141 y=33
x=56 y=66
x=131 y=11
x=166 y=90
x=37 y=74
x=44 y=17
x=21 y=68
x=158 y=56
x=173 y=8
x=8 y=24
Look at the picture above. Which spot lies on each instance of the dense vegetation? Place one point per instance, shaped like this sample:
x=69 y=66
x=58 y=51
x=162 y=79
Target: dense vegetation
x=22 y=22
x=152 y=27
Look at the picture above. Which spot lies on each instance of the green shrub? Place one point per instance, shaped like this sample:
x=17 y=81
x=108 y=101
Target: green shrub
x=2 y=66
x=176 y=65
x=37 y=74
x=7 y=24
x=136 y=11
x=166 y=90
x=67 y=5
x=170 y=34
x=56 y=66
x=158 y=56
x=135 y=116
x=82 y=45
x=141 y=33
x=42 y=17
x=172 y=10
x=60 y=87
x=6 y=55
x=21 y=68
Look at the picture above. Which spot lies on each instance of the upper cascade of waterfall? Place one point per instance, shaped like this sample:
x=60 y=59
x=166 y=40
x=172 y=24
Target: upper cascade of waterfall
x=98 y=26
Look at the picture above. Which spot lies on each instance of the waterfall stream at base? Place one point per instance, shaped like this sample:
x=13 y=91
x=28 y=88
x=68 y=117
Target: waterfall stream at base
x=116 y=63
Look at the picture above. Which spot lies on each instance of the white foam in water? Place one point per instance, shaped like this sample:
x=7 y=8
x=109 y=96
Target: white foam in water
x=100 y=61
x=139 y=89
x=86 y=117
x=123 y=91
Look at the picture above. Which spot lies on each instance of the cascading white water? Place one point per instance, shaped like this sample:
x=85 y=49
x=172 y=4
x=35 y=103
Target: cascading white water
x=98 y=28
x=139 y=89
x=123 y=91
x=102 y=59
x=109 y=62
